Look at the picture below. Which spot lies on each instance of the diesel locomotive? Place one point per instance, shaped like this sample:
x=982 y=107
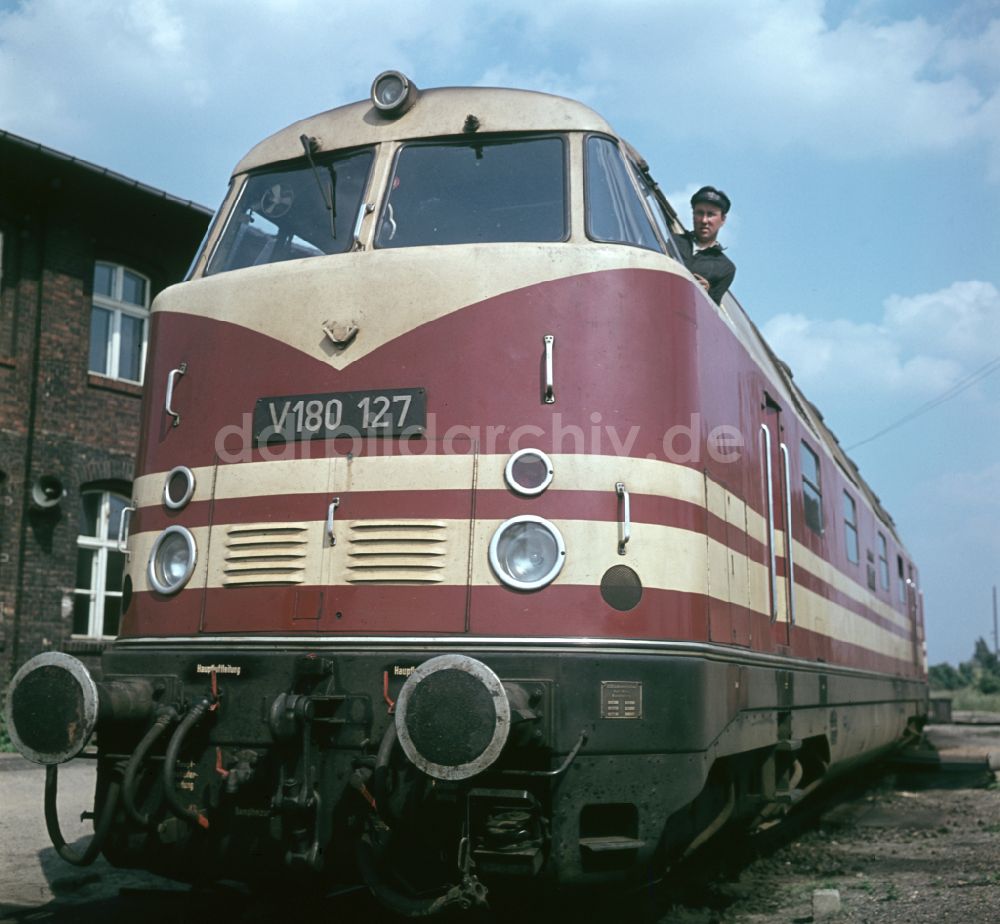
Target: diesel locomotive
x=472 y=544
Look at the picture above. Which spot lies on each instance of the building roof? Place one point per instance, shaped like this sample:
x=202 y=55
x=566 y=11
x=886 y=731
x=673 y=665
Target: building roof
x=97 y=170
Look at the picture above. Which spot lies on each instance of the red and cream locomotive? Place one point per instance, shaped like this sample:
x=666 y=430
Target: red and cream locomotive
x=472 y=543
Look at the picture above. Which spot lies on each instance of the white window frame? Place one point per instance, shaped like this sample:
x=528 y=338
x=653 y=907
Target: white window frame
x=101 y=545
x=118 y=307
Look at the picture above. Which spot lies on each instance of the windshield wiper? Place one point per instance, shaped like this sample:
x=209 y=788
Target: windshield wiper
x=329 y=197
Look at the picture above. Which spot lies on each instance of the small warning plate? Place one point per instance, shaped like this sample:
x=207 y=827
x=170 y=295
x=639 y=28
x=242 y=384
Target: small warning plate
x=621 y=699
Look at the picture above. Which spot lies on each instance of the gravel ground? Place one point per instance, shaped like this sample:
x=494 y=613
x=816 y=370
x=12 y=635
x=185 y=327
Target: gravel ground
x=920 y=846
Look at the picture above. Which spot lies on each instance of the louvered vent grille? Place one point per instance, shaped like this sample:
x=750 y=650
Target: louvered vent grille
x=265 y=553
x=397 y=552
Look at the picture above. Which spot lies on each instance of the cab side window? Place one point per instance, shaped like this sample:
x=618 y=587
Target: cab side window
x=614 y=210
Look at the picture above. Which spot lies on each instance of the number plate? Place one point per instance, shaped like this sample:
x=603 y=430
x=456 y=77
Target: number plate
x=389 y=412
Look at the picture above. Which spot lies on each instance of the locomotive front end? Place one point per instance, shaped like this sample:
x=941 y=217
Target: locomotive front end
x=441 y=571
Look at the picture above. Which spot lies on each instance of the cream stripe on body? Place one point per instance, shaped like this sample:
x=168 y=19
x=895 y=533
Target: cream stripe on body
x=452 y=472
x=666 y=557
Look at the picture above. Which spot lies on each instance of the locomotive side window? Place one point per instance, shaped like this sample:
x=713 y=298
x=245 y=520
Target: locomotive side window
x=656 y=208
x=812 y=498
x=294 y=212
x=883 y=562
x=851 y=528
x=614 y=210
x=465 y=192
x=902 y=579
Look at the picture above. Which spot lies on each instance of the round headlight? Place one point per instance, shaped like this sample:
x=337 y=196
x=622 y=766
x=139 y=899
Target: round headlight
x=179 y=487
x=393 y=93
x=529 y=471
x=172 y=559
x=527 y=552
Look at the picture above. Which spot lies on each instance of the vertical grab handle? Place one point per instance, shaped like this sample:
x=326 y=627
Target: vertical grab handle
x=625 y=524
x=168 y=402
x=788 y=533
x=334 y=504
x=772 y=559
x=124 y=521
x=548 y=396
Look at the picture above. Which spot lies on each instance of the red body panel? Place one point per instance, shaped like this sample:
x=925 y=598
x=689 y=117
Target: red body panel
x=635 y=349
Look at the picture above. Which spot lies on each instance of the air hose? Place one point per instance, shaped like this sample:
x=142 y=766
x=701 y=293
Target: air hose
x=380 y=782
x=170 y=764
x=164 y=717
x=101 y=828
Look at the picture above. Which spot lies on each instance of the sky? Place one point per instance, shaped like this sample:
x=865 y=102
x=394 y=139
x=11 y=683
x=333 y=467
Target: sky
x=859 y=141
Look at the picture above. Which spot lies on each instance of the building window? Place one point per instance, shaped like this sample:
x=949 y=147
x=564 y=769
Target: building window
x=851 y=528
x=902 y=579
x=883 y=562
x=119 y=322
x=100 y=567
x=812 y=498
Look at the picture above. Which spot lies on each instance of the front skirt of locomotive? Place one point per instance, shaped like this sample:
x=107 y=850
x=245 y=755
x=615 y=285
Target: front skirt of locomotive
x=412 y=768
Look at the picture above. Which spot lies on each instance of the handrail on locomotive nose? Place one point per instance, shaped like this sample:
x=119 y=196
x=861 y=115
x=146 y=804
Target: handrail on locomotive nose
x=626 y=519
x=549 y=393
x=334 y=504
x=168 y=402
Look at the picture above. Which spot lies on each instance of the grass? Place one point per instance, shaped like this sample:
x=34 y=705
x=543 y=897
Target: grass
x=5 y=743
x=970 y=700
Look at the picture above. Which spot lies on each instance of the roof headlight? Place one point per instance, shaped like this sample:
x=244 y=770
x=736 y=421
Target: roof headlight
x=172 y=559
x=527 y=552
x=529 y=471
x=393 y=93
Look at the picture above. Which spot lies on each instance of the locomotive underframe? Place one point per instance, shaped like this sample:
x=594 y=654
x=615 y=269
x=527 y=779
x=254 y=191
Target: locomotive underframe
x=285 y=762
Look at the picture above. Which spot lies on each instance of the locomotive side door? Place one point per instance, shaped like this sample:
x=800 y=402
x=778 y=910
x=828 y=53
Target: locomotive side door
x=366 y=543
x=913 y=608
x=728 y=568
x=396 y=553
x=775 y=491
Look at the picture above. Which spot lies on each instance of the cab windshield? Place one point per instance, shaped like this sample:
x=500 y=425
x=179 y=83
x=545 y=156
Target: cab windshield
x=305 y=210
x=482 y=191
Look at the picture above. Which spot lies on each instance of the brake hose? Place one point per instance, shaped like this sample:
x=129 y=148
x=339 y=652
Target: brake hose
x=101 y=827
x=163 y=719
x=170 y=763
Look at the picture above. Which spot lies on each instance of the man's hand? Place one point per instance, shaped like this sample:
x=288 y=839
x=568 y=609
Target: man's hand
x=701 y=280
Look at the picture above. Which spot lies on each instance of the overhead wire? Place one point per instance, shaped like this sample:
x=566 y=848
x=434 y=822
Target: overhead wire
x=953 y=392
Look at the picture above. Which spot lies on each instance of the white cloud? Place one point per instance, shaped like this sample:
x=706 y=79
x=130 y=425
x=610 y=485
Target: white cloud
x=774 y=71
x=962 y=320
x=776 y=74
x=922 y=345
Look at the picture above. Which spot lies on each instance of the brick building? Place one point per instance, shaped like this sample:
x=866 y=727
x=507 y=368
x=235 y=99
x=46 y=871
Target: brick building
x=82 y=253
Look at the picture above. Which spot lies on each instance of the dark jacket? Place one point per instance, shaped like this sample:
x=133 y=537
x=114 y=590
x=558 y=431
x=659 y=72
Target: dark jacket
x=711 y=263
